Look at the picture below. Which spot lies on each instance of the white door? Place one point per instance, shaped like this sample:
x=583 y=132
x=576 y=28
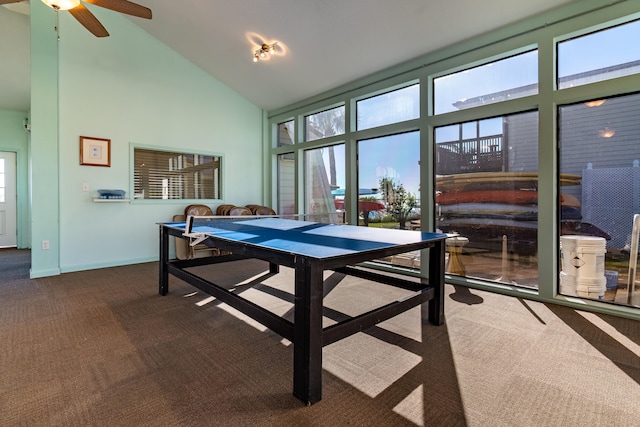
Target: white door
x=8 y=211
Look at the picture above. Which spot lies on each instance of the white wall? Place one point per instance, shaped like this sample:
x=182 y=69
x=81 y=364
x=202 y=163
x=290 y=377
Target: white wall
x=130 y=88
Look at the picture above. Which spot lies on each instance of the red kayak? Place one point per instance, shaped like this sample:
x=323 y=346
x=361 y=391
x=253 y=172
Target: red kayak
x=513 y=197
x=363 y=205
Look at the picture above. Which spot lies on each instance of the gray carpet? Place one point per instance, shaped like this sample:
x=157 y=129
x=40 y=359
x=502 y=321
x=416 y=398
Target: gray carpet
x=101 y=347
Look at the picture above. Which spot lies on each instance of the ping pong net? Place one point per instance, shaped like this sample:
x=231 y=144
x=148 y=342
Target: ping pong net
x=197 y=228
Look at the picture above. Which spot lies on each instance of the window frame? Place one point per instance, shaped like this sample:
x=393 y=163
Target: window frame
x=163 y=149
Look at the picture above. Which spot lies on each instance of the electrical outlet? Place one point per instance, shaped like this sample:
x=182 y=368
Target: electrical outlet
x=85 y=187
x=45 y=244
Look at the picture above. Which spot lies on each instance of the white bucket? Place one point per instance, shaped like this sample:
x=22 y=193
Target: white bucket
x=585 y=287
x=568 y=285
x=583 y=256
x=592 y=291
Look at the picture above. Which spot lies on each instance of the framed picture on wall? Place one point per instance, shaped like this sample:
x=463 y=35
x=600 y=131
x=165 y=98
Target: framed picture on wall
x=95 y=151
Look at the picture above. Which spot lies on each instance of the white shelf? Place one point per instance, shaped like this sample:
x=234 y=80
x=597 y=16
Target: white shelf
x=99 y=200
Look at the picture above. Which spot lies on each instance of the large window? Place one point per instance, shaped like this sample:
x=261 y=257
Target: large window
x=491 y=202
x=598 y=141
x=324 y=124
x=599 y=145
x=391 y=107
x=286 y=170
x=389 y=186
x=599 y=56
x=286 y=135
x=286 y=184
x=324 y=183
x=165 y=175
x=493 y=82
x=389 y=173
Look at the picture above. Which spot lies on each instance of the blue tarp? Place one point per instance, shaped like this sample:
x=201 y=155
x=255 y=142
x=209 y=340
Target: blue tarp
x=361 y=192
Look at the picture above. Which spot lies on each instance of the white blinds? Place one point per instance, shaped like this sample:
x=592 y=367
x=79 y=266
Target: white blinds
x=172 y=175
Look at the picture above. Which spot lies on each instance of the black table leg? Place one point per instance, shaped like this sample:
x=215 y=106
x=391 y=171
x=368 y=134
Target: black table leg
x=274 y=268
x=307 y=333
x=163 y=279
x=436 y=279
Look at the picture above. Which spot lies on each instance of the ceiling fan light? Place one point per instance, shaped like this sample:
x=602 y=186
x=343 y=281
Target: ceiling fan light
x=62 y=4
x=607 y=133
x=595 y=103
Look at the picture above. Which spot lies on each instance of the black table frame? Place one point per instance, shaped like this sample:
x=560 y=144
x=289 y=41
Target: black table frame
x=306 y=331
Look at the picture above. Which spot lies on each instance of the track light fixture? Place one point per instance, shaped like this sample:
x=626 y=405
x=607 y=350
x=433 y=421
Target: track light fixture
x=264 y=51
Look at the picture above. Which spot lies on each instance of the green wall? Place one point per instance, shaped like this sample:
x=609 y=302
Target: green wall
x=44 y=143
x=132 y=89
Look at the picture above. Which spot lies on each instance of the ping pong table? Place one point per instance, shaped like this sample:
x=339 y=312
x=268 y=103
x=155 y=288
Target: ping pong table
x=309 y=248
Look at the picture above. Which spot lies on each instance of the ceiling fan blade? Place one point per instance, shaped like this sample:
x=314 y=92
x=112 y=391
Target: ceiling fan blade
x=88 y=19
x=9 y=1
x=123 y=6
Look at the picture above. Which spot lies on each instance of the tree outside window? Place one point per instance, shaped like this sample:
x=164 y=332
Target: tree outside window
x=399 y=202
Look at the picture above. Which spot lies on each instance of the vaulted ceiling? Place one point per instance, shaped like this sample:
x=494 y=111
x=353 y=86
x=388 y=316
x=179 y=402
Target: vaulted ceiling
x=321 y=44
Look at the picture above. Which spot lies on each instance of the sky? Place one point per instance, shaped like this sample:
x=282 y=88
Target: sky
x=613 y=46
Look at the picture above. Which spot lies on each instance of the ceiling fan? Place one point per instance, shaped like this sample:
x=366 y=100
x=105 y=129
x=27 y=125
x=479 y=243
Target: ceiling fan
x=88 y=19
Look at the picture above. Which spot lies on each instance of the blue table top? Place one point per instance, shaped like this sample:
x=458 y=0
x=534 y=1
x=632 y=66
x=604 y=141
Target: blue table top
x=307 y=238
